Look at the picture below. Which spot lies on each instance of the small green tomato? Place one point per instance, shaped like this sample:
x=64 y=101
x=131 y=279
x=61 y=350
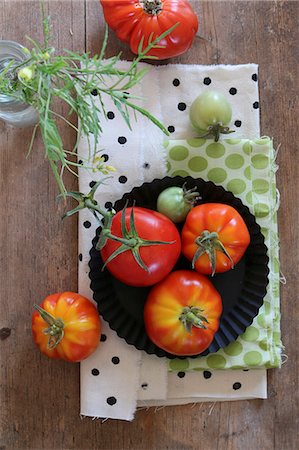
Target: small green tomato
x=176 y=202
x=210 y=114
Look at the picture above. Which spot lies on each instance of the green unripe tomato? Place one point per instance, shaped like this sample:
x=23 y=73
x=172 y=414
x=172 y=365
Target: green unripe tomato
x=209 y=109
x=176 y=202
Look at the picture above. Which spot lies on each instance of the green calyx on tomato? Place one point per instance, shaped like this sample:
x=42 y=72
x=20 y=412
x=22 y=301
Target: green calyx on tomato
x=55 y=329
x=176 y=202
x=191 y=316
x=210 y=114
x=130 y=240
x=208 y=242
x=87 y=201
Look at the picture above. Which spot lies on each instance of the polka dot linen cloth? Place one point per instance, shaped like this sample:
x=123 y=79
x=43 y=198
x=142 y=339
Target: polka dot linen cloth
x=117 y=378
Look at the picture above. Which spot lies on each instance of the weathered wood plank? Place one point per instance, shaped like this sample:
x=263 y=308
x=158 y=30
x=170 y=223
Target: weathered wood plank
x=40 y=398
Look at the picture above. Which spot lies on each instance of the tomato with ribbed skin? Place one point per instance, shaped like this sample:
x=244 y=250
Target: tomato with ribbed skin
x=214 y=237
x=158 y=259
x=134 y=20
x=182 y=313
x=66 y=326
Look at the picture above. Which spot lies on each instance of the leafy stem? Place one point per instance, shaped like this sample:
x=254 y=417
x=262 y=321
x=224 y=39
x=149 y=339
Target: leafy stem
x=75 y=80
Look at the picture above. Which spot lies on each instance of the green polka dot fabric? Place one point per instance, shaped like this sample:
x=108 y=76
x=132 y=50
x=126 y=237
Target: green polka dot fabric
x=247 y=169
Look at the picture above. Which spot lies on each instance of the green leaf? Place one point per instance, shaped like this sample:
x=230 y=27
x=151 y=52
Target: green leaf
x=140 y=45
x=104 y=44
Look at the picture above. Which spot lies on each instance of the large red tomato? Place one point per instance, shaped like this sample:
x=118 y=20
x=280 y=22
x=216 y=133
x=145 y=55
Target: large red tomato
x=66 y=326
x=214 y=237
x=134 y=20
x=182 y=313
x=151 y=247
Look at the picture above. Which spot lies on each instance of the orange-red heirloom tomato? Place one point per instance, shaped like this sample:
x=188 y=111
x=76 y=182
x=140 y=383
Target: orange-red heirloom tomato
x=135 y=21
x=66 y=326
x=214 y=238
x=182 y=313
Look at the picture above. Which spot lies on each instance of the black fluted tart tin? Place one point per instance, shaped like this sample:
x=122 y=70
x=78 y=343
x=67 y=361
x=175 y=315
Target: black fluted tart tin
x=242 y=289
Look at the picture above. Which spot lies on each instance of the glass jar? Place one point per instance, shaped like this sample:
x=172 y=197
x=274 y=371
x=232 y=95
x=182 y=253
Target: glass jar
x=12 y=110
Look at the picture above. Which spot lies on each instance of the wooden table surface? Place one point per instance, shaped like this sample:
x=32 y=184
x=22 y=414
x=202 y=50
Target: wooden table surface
x=39 y=397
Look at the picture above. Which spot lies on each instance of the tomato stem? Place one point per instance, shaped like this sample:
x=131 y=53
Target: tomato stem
x=55 y=329
x=87 y=201
x=152 y=7
x=208 y=242
x=215 y=131
x=191 y=316
x=190 y=195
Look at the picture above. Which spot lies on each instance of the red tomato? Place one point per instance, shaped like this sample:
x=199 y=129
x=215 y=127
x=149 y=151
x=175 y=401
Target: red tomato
x=182 y=313
x=133 y=20
x=159 y=259
x=214 y=237
x=66 y=326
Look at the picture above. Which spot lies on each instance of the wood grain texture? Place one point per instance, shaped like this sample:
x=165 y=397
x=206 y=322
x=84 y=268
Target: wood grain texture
x=40 y=398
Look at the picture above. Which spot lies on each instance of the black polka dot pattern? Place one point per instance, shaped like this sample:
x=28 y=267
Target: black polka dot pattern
x=80 y=161
x=182 y=106
x=94 y=92
x=122 y=179
x=112 y=397
x=207 y=374
x=122 y=140
x=86 y=224
x=111 y=401
x=108 y=205
x=126 y=95
x=181 y=374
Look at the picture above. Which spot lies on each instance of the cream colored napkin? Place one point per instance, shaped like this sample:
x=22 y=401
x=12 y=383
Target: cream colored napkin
x=117 y=378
